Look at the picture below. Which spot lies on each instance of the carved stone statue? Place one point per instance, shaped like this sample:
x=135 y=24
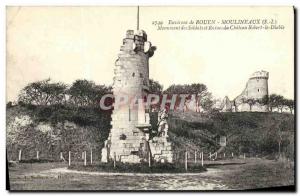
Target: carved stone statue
x=161 y=148
x=162 y=123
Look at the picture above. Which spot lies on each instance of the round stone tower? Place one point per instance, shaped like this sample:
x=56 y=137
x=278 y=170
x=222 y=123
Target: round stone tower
x=128 y=138
x=257 y=86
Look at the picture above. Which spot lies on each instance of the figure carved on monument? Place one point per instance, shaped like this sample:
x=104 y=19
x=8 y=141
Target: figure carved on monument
x=161 y=148
x=162 y=123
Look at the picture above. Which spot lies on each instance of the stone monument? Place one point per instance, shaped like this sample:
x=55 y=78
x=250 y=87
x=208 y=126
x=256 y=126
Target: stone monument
x=128 y=140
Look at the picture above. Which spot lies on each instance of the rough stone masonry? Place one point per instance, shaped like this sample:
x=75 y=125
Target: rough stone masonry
x=128 y=140
x=256 y=88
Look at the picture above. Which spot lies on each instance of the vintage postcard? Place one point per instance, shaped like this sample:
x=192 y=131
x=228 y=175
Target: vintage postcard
x=141 y=98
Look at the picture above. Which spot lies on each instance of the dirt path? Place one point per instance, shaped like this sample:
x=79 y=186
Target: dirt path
x=65 y=170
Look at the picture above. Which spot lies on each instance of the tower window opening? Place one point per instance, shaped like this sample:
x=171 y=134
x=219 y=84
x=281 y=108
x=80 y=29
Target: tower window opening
x=123 y=137
x=141 y=75
x=133 y=74
x=257 y=90
x=134 y=152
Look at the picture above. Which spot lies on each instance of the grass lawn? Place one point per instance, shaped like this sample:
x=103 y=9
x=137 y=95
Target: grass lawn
x=267 y=173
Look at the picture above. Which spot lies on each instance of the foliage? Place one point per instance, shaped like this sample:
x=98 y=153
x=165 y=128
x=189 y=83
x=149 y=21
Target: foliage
x=87 y=93
x=251 y=102
x=155 y=87
x=55 y=128
x=265 y=100
x=80 y=93
x=201 y=95
x=43 y=93
x=186 y=89
x=246 y=132
x=279 y=102
x=290 y=104
x=9 y=104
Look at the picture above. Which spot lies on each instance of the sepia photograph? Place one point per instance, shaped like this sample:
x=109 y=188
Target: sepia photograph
x=150 y=98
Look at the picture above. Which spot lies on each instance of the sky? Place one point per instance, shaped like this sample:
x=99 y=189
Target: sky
x=69 y=43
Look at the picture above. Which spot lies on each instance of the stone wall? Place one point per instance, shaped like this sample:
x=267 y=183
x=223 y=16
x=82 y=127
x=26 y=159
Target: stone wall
x=161 y=149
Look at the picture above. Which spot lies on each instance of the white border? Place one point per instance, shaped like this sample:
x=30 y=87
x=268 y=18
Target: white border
x=4 y=3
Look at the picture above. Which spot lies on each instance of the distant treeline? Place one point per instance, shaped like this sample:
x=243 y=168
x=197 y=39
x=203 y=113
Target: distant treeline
x=46 y=92
x=272 y=101
x=84 y=93
x=278 y=101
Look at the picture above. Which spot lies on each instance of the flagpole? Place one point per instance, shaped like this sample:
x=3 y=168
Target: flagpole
x=138 y=17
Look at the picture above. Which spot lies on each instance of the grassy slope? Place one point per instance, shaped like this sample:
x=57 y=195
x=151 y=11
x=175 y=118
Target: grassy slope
x=255 y=133
x=92 y=128
x=247 y=132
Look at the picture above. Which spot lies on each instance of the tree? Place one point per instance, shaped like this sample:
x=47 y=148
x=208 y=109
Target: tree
x=100 y=91
x=280 y=102
x=176 y=89
x=9 y=104
x=155 y=87
x=275 y=101
x=87 y=93
x=206 y=101
x=43 y=93
x=56 y=92
x=264 y=100
x=272 y=101
x=251 y=102
x=290 y=104
x=244 y=99
x=199 y=91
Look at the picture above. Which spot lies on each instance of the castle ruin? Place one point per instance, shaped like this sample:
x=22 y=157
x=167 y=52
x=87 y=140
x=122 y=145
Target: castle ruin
x=256 y=88
x=129 y=138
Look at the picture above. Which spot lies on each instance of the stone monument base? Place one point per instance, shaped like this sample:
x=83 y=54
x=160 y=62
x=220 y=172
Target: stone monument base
x=161 y=149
